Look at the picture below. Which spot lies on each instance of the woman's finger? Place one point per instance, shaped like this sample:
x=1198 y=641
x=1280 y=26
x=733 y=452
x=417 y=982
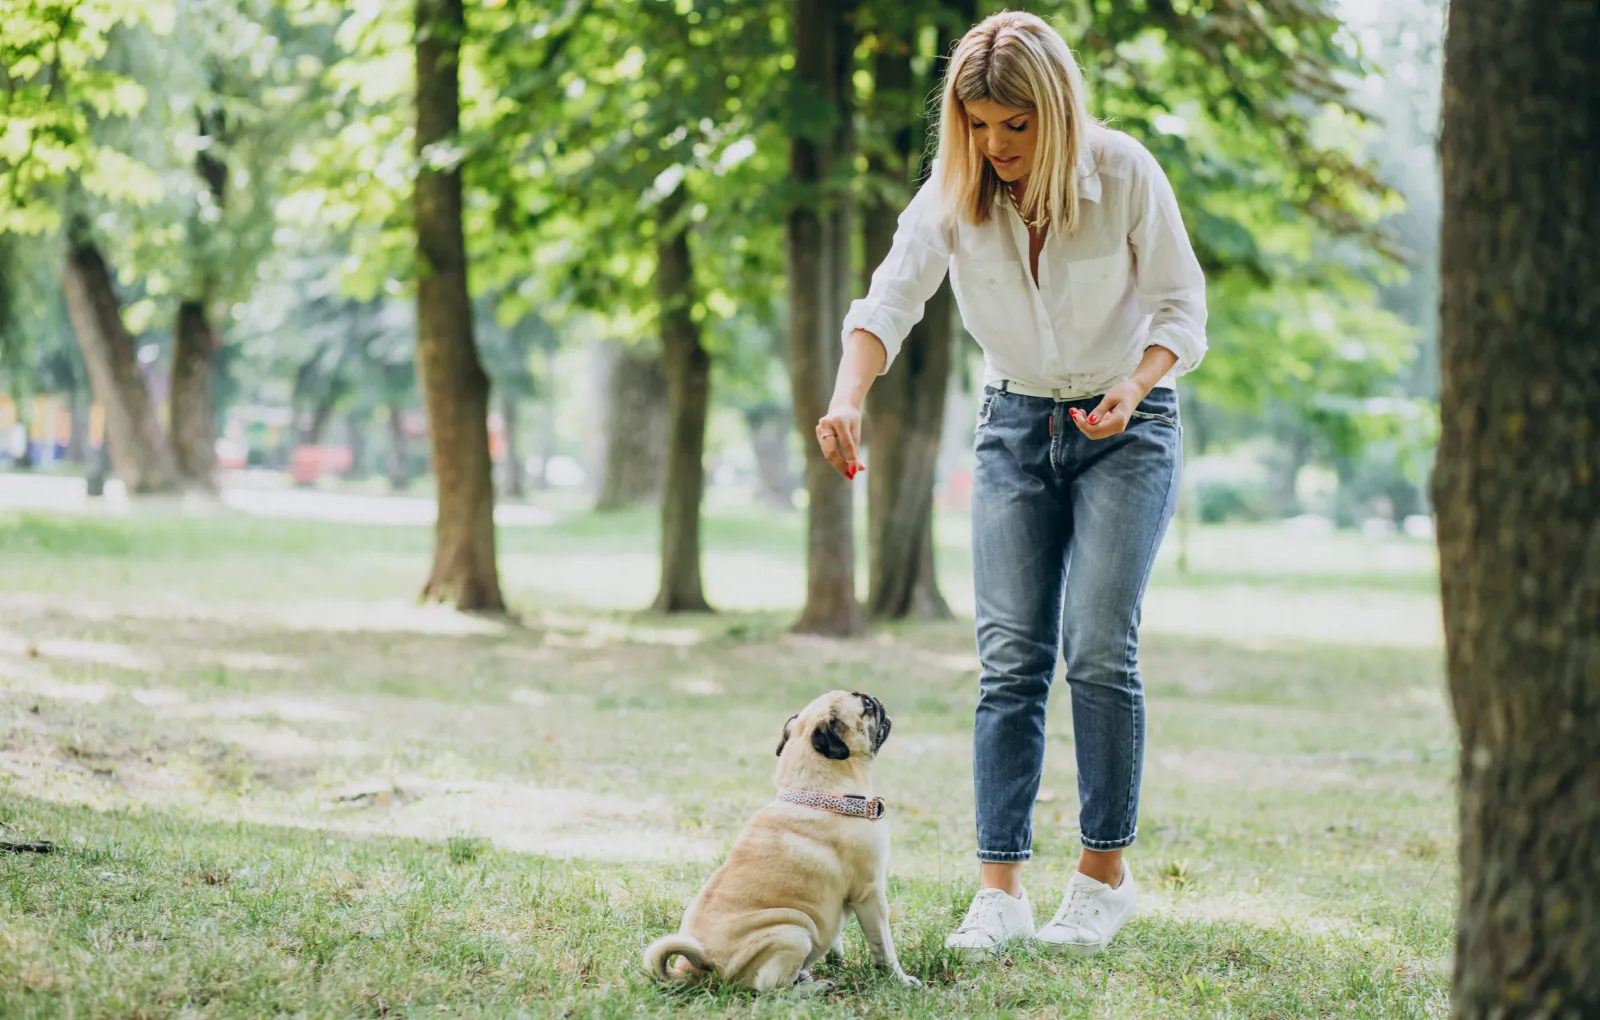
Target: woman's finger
x=847 y=438
x=832 y=449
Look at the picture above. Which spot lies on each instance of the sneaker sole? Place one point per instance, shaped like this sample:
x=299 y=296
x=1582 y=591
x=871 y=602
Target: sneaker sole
x=1075 y=948
x=976 y=954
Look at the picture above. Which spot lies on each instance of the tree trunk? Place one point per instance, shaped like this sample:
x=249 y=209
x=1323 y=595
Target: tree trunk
x=814 y=348
x=195 y=341
x=1517 y=492
x=508 y=414
x=139 y=450
x=78 y=442
x=688 y=368
x=395 y=452
x=454 y=383
x=769 y=439
x=355 y=431
x=905 y=411
x=906 y=416
x=547 y=417
x=635 y=427
x=193 y=424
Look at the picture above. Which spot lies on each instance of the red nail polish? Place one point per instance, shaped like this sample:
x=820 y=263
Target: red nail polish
x=1093 y=418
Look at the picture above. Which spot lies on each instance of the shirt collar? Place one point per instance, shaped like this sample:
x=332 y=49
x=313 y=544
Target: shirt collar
x=1088 y=168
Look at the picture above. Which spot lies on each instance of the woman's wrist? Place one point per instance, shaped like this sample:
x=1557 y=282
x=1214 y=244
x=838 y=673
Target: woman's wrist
x=1153 y=367
x=864 y=357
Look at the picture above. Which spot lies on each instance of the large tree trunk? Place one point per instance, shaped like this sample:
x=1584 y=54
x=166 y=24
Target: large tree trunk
x=139 y=450
x=1517 y=492
x=814 y=295
x=635 y=428
x=454 y=383
x=905 y=411
x=195 y=340
x=688 y=368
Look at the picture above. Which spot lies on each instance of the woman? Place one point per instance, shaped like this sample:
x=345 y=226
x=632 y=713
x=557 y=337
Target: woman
x=1073 y=271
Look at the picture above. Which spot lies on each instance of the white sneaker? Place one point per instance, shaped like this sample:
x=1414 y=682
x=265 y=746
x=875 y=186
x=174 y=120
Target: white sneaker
x=994 y=919
x=1091 y=914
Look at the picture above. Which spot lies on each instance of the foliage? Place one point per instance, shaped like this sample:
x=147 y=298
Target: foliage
x=57 y=91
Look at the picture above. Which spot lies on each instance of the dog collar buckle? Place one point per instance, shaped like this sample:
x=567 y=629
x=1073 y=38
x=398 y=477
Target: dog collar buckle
x=852 y=805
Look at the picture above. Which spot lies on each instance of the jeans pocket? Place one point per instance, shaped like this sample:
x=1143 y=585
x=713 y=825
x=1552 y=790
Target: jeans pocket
x=1156 y=410
x=986 y=407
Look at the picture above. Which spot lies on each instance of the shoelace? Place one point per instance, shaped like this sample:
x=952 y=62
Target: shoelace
x=984 y=905
x=1071 y=913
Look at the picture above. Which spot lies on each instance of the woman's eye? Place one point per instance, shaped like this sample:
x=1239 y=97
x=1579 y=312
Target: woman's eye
x=1017 y=128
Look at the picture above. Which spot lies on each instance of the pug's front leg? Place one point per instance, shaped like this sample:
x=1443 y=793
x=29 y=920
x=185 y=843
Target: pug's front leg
x=873 y=914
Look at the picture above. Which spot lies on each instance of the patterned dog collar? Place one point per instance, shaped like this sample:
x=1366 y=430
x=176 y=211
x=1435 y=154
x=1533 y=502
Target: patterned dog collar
x=854 y=805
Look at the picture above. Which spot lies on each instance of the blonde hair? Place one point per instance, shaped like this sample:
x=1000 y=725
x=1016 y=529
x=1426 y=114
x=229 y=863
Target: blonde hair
x=1015 y=60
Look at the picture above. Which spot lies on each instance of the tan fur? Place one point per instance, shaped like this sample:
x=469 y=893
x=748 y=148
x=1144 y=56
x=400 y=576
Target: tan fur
x=778 y=902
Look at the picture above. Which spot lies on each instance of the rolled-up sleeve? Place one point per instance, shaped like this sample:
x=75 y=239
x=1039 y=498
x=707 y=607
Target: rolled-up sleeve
x=1168 y=282
x=908 y=275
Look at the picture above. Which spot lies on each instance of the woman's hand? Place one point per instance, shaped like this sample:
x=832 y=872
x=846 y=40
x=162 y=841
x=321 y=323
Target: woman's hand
x=839 y=436
x=1114 y=411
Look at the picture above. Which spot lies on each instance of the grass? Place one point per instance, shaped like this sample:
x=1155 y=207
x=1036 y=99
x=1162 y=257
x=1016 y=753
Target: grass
x=280 y=788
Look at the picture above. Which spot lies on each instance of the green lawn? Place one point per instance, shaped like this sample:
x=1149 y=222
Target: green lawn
x=282 y=788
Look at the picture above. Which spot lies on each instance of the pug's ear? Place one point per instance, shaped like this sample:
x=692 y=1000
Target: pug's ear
x=785 y=738
x=825 y=739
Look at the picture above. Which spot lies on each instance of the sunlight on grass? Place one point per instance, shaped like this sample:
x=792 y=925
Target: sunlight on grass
x=279 y=786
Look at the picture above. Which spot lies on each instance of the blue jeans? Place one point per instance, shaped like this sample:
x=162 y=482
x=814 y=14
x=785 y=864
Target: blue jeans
x=1064 y=532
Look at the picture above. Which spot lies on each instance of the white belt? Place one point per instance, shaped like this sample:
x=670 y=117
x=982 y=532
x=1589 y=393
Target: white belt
x=1078 y=388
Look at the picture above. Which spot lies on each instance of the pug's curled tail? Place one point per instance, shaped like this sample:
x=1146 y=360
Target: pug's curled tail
x=662 y=950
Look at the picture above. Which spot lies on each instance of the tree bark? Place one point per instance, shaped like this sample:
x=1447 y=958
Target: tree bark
x=905 y=410
x=454 y=383
x=508 y=414
x=769 y=439
x=193 y=424
x=395 y=452
x=1517 y=492
x=195 y=340
x=547 y=416
x=688 y=367
x=355 y=431
x=139 y=450
x=635 y=425
x=78 y=442
x=812 y=250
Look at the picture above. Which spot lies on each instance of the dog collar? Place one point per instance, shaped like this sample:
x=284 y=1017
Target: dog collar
x=853 y=805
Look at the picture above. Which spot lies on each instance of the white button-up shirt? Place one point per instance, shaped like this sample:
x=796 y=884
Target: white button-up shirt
x=1128 y=279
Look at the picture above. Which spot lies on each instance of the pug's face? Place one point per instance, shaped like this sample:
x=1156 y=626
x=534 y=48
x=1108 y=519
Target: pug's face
x=838 y=726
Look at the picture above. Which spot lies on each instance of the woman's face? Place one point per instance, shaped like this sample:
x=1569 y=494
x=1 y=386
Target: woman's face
x=1006 y=137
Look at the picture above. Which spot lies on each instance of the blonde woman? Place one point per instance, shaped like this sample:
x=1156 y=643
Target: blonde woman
x=1073 y=271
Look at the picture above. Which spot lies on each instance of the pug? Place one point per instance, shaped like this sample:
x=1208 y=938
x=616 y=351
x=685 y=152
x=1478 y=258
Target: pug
x=817 y=852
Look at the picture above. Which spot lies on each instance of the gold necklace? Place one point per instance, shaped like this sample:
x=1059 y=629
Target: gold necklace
x=1037 y=224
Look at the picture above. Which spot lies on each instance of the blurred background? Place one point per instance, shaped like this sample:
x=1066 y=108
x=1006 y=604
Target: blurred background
x=263 y=286
x=213 y=197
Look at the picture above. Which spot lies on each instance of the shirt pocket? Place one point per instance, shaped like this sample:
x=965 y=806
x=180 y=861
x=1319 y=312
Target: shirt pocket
x=1096 y=287
x=988 y=291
